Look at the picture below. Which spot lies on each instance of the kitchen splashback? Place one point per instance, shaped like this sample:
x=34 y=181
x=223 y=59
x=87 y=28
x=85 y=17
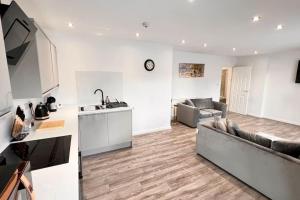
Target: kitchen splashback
x=88 y=81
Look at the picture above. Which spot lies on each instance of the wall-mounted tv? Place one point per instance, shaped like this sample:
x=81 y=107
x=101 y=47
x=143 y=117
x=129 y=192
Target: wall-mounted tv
x=298 y=73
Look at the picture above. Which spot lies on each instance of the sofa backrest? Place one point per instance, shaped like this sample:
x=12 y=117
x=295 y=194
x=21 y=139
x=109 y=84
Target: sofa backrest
x=209 y=125
x=203 y=103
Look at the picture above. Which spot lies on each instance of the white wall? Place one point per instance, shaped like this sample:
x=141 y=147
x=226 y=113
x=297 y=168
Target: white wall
x=259 y=66
x=207 y=86
x=282 y=96
x=148 y=92
x=274 y=94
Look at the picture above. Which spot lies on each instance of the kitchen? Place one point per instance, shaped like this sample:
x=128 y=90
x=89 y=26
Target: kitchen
x=29 y=75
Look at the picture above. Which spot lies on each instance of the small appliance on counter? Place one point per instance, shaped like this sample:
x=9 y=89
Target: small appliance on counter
x=52 y=107
x=41 y=112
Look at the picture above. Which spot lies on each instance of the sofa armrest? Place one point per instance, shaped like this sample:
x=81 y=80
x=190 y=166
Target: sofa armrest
x=222 y=107
x=187 y=114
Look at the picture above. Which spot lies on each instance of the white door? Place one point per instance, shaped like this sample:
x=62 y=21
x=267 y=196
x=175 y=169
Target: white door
x=240 y=86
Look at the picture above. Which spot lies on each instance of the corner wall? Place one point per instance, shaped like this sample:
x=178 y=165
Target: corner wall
x=274 y=93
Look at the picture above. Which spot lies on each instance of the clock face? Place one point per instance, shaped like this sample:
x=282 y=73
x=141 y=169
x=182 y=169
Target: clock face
x=149 y=65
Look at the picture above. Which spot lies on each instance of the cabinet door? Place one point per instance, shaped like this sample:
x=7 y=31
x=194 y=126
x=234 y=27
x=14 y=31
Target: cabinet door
x=119 y=127
x=5 y=89
x=45 y=61
x=54 y=65
x=93 y=132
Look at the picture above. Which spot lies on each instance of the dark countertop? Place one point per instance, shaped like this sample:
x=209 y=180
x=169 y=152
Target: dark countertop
x=41 y=154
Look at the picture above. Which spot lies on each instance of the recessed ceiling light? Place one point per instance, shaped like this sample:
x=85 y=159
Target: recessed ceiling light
x=234 y=49
x=99 y=34
x=256 y=18
x=191 y=1
x=182 y=41
x=137 y=35
x=255 y=52
x=279 y=27
x=70 y=25
x=204 y=45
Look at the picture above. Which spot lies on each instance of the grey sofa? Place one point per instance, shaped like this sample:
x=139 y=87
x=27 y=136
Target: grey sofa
x=193 y=111
x=274 y=174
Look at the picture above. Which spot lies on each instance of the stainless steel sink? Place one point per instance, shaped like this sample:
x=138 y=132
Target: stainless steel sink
x=90 y=108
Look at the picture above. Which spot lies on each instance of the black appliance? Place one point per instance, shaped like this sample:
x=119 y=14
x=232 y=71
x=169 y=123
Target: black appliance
x=18 y=31
x=41 y=112
x=298 y=73
x=116 y=104
x=52 y=107
x=21 y=158
x=41 y=153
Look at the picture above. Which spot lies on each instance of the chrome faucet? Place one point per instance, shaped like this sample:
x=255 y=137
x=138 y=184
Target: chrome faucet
x=102 y=97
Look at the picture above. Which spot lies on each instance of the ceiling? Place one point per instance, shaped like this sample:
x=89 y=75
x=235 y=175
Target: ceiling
x=222 y=24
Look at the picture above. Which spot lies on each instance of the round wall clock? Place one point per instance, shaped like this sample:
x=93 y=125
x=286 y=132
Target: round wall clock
x=149 y=65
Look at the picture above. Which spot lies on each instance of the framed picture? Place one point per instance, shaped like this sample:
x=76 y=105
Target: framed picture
x=191 y=70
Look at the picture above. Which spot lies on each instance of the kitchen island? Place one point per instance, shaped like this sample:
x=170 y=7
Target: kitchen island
x=61 y=181
x=105 y=130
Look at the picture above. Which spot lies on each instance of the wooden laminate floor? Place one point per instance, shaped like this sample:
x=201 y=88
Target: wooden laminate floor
x=164 y=166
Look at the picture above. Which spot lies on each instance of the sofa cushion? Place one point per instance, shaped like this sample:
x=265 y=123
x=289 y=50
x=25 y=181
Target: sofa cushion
x=232 y=127
x=252 y=137
x=220 y=124
x=204 y=114
x=214 y=112
x=203 y=103
x=189 y=103
x=288 y=147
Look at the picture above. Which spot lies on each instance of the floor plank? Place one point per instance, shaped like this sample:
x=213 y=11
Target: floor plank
x=164 y=166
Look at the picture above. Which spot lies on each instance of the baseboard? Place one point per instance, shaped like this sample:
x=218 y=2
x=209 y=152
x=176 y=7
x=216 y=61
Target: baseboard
x=94 y=151
x=151 y=130
x=275 y=119
x=282 y=120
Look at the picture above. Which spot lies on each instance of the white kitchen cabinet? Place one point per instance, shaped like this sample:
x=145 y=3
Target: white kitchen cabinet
x=54 y=65
x=45 y=61
x=105 y=131
x=5 y=88
x=94 y=133
x=37 y=71
x=119 y=127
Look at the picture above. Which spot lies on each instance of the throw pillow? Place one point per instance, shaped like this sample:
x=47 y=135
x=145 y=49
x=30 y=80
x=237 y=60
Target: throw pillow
x=220 y=124
x=287 y=147
x=232 y=127
x=255 y=138
x=189 y=103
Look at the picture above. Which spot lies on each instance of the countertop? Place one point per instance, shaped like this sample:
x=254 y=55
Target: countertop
x=61 y=181
x=102 y=111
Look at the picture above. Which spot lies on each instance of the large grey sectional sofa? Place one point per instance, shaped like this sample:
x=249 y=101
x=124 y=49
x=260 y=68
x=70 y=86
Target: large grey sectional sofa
x=272 y=173
x=193 y=111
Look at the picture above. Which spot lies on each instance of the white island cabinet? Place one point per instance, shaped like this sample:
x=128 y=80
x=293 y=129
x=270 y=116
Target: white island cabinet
x=105 y=130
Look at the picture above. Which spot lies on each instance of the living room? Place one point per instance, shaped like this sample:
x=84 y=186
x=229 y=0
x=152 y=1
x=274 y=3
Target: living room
x=148 y=58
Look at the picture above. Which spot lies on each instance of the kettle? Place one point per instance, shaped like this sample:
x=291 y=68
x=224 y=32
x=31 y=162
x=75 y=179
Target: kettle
x=51 y=104
x=41 y=112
